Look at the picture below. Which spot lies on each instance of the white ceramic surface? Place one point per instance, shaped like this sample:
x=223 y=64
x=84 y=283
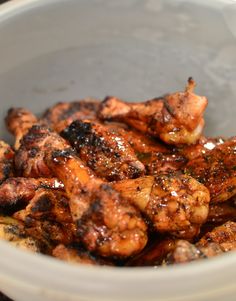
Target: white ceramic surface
x=56 y=50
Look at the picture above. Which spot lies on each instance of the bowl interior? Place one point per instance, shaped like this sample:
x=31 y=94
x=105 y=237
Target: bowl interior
x=65 y=50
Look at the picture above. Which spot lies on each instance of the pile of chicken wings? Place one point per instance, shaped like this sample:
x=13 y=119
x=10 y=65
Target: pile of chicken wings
x=118 y=183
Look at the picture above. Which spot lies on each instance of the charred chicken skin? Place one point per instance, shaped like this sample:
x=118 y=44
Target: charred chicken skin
x=216 y=170
x=109 y=155
x=172 y=202
x=63 y=114
x=175 y=118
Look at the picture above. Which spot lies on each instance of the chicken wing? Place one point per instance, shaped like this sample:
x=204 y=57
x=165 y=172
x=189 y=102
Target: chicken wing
x=63 y=114
x=6 y=161
x=175 y=118
x=18 y=122
x=109 y=155
x=221 y=239
x=155 y=156
x=216 y=170
x=174 y=203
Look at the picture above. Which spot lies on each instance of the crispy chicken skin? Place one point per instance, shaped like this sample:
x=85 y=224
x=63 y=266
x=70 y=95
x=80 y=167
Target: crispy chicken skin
x=216 y=170
x=63 y=114
x=106 y=223
x=6 y=161
x=109 y=155
x=18 y=122
x=221 y=239
x=174 y=203
x=175 y=118
x=15 y=192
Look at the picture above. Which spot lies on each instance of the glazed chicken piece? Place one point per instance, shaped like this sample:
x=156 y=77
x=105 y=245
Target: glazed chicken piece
x=155 y=156
x=77 y=255
x=107 y=154
x=221 y=239
x=30 y=157
x=47 y=205
x=6 y=161
x=216 y=170
x=13 y=231
x=63 y=114
x=174 y=203
x=222 y=212
x=106 y=223
x=175 y=118
x=18 y=122
x=17 y=192
x=224 y=236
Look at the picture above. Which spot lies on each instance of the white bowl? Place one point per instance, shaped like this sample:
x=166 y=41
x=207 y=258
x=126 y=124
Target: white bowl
x=55 y=50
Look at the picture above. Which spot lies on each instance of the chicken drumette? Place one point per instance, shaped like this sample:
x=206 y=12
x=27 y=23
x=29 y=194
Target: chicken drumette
x=174 y=203
x=175 y=118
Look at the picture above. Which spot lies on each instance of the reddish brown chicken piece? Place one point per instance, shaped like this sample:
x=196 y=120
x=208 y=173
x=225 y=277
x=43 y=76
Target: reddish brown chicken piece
x=106 y=223
x=216 y=170
x=175 y=118
x=17 y=192
x=63 y=114
x=47 y=205
x=29 y=158
x=172 y=202
x=221 y=239
x=107 y=154
x=47 y=217
x=155 y=156
x=18 y=122
x=6 y=161
x=224 y=236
